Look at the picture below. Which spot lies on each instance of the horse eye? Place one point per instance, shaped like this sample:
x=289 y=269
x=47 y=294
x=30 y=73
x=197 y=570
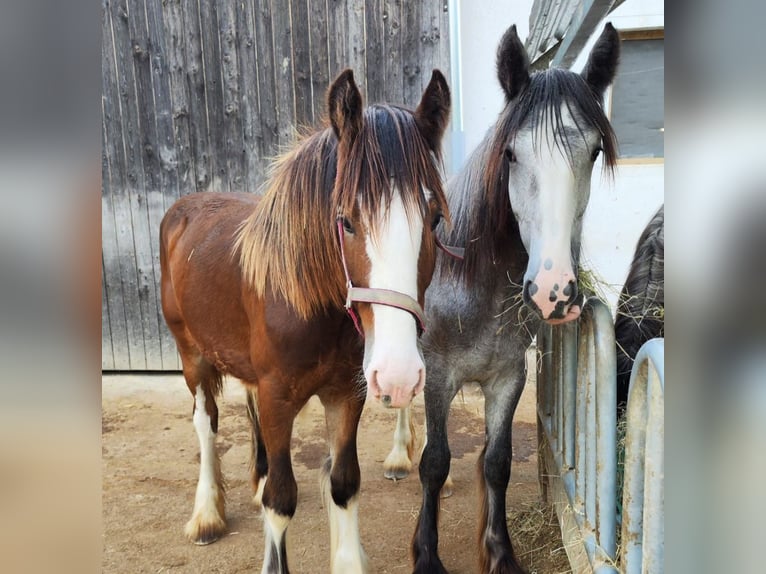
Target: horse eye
x=347 y=227
x=596 y=151
x=510 y=155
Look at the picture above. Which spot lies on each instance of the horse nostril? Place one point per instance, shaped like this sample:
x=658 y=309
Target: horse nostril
x=386 y=400
x=570 y=291
x=530 y=288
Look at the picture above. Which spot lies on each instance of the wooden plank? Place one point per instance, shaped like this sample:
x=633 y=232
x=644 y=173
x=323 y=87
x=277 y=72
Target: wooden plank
x=283 y=60
x=181 y=156
x=160 y=199
x=107 y=354
x=233 y=160
x=134 y=179
x=320 y=69
x=337 y=38
x=248 y=85
x=211 y=60
x=430 y=38
x=301 y=41
x=112 y=180
x=411 y=53
x=356 y=49
x=267 y=91
x=443 y=55
x=375 y=57
x=145 y=217
x=198 y=123
x=393 y=91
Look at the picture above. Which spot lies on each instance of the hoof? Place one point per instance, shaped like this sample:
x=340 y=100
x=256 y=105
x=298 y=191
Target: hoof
x=434 y=566
x=202 y=533
x=447 y=488
x=396 y=473
x=397 y=465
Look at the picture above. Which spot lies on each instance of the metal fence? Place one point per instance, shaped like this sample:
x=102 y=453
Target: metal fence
x=577 y=431
x=643 y=520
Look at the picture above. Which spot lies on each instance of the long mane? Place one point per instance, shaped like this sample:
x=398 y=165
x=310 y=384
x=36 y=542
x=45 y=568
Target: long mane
x=289 y=244
x=481 y=209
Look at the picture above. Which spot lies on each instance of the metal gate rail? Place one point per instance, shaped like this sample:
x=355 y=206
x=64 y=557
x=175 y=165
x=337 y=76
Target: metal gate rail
x=643 y=520
x=577 y=428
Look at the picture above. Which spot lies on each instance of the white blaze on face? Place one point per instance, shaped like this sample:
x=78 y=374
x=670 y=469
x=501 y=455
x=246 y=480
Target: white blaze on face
x=395 y=367
x=547 y=191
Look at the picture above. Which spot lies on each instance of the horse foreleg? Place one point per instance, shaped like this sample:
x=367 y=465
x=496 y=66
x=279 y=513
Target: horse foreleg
x=434 y=470
x=496 y=555
x=280 y=491
x=398 y=463
x=340 y=487
x=208 y=521
x=448 y=488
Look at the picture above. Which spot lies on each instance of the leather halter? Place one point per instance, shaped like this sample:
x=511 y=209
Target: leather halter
x=374 y=295
x=385 y=296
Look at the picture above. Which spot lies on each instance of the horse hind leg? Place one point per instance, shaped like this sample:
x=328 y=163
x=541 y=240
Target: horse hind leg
x=398 y=463
x=208 y=521
x=259 y=467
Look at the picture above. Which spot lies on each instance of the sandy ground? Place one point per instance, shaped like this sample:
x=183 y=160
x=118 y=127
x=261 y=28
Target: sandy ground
x=150 y=464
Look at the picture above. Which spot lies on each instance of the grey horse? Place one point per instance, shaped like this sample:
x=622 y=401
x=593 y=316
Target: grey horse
x=517 y=209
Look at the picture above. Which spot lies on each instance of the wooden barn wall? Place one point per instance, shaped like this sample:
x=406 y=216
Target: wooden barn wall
x=199 y=94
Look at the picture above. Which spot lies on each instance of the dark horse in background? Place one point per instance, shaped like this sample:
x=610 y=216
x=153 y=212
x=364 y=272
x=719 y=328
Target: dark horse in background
x=517 y=207
x=641 y=306
x=261 y=288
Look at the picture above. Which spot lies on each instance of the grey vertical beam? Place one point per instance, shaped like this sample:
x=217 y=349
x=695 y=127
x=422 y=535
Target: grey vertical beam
x=254 y=165
x=182 y=155
x=209 y=26
x=411 y=65
x=129 y=225
x=301 y=41
x=283 y=61
x=356 y=49
x=112 y=181
x=267 y=90
x=374 y=55
x=393 y=91
x=233 y=160
x=199 y=123
x=319 y=55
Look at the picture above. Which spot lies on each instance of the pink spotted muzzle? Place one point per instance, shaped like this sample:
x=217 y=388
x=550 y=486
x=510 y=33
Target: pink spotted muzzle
x=552 y=293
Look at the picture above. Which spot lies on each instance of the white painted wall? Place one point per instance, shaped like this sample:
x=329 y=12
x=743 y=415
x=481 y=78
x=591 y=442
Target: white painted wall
x=619 y=209
x=482 y=24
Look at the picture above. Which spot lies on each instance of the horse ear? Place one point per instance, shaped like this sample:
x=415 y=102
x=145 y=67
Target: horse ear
x=433 y=111
x=344 y=104
x=602 y=63
x=512 y=64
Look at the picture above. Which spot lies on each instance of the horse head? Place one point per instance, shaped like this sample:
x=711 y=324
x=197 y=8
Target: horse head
x=552 y=132
x=389 y=198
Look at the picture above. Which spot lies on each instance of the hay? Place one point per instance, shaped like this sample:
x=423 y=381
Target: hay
x=537 y=539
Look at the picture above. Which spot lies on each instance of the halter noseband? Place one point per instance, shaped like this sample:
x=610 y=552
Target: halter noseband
x=378 y=296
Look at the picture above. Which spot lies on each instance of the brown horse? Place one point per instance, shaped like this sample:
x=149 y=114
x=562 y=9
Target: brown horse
x=265 y=289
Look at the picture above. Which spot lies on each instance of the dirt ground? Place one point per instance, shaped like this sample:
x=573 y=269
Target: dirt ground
x=150 y=465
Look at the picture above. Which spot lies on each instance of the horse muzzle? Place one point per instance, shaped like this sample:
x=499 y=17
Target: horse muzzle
x=553 y=296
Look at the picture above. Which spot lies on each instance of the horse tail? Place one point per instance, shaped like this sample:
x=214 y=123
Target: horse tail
x=641 y=306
